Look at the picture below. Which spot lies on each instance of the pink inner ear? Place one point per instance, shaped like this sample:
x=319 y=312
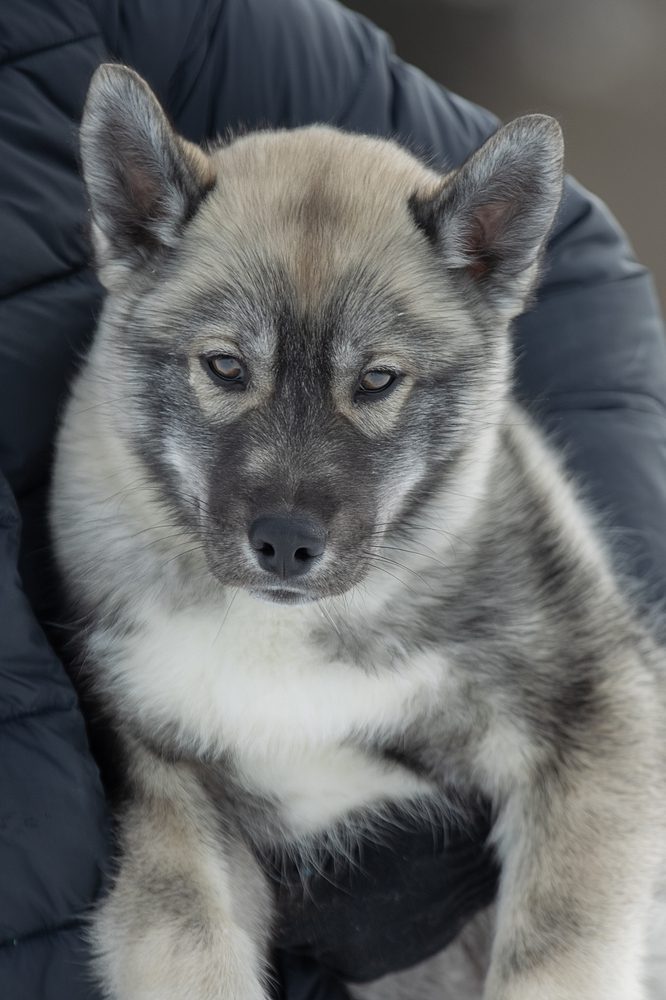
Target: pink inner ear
x=483 y=236
x=143 y=186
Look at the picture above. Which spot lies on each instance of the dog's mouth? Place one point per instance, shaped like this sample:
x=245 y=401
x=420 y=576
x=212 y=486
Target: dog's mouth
x=284 y=595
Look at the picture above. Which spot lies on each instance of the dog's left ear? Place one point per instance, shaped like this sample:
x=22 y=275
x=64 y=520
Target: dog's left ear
x=144 y=181
x=489 y=220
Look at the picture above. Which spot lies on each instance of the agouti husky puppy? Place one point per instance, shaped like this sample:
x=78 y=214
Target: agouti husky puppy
x=327 y=567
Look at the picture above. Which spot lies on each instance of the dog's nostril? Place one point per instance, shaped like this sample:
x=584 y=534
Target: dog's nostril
x=266 y=549
x=302 y=554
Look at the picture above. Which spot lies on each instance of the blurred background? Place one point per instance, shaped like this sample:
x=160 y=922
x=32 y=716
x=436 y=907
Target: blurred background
x=597 y=65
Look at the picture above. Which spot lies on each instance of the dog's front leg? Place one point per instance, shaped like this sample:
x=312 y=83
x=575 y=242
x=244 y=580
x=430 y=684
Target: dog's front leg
x=188 y=915
x=577 y=847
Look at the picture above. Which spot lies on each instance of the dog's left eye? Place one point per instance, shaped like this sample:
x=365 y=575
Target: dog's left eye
x=227 y=368
x=375 y=382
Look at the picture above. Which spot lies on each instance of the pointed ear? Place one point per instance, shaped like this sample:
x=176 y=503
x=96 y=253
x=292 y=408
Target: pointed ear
x=144 y=182
x=489 y=220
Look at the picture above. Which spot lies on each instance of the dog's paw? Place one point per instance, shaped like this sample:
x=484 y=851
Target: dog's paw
x=564 y=988
x=153 y=965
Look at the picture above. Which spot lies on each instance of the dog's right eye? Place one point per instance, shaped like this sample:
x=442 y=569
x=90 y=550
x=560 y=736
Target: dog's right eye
x=227 y=369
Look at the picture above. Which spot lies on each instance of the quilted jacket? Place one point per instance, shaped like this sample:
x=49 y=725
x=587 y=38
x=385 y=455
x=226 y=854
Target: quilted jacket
x=591 y=362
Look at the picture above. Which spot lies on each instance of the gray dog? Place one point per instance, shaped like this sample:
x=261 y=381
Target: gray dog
x=327 y=569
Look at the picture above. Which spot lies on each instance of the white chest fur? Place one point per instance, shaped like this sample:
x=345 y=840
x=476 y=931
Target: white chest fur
x=254 y=683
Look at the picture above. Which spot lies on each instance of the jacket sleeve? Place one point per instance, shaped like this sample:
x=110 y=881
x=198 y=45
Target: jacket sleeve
x=591 y=355
x=53 y=823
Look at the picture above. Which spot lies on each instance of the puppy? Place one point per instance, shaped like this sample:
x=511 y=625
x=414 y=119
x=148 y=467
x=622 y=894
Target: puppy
x=328 y=569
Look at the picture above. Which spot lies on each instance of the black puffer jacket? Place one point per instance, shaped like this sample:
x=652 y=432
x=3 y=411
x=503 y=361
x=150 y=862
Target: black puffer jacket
x=591 y=359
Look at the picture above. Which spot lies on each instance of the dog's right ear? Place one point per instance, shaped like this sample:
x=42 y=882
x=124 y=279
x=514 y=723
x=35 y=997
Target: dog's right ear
x=144 y=181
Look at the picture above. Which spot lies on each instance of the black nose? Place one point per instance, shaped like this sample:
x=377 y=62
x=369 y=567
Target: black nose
x=286 y=546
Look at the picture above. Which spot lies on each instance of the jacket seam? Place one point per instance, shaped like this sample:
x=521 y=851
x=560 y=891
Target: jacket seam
x=634 y=399
x=69 y=272
x=551 y=289
x=35 y=713
x=14 y=58
x=66 y=925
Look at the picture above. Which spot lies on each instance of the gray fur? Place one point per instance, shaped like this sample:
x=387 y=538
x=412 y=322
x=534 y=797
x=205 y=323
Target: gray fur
x=463 y=629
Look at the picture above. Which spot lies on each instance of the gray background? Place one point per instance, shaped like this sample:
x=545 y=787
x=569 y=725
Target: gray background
x=597 y=65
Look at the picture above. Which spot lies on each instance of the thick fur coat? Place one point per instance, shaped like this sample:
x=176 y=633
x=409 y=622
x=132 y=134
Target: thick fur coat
x=310 y=329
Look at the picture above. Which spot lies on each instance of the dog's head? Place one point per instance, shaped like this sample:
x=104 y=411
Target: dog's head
x=305 y=331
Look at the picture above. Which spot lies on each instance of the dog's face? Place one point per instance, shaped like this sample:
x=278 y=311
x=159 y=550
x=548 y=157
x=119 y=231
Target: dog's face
x=305 y=331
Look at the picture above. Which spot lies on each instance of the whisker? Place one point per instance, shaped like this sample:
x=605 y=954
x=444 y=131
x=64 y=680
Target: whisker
x=226 y=615
x=382 y=569
x=181 y=555
x=426 y=551
x=399 y=565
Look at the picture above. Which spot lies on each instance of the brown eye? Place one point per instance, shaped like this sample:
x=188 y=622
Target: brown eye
x=227 y=368
x=376 y=381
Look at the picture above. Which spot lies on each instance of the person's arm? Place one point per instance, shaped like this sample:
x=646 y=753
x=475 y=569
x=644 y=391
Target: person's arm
x=54 y=830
